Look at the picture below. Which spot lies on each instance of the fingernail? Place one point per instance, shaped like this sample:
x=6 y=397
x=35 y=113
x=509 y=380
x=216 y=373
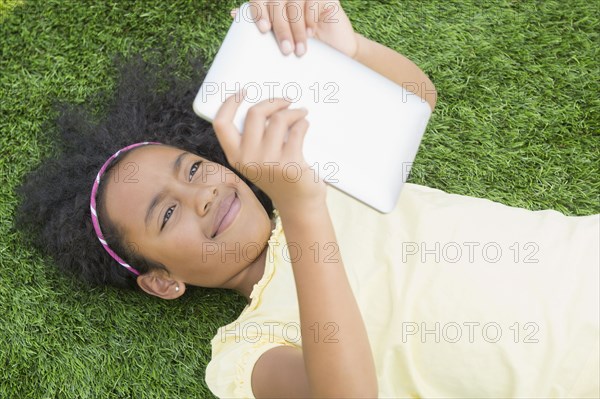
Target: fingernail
x=263 y=25
x=300 y=49
x=310 y=32
x=286 y=47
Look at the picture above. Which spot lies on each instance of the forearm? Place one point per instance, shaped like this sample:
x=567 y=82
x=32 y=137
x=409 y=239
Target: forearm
x=337 y=356
x=395 y=67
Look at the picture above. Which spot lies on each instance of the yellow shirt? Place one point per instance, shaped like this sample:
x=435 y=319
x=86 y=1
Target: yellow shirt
x=461 y=297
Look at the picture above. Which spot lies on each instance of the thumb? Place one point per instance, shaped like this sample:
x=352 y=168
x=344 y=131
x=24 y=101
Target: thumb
x=234 y=12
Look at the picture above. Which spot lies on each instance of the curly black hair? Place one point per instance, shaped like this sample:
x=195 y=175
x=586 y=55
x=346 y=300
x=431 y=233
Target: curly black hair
x=149 y=104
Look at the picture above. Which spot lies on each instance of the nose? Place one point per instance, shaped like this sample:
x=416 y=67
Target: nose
x=204 y=198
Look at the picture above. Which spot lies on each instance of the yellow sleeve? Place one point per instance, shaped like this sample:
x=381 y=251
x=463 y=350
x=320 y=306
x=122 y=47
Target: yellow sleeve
x=234 y=354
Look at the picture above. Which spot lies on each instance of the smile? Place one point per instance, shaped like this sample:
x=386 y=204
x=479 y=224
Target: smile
x=226 y=214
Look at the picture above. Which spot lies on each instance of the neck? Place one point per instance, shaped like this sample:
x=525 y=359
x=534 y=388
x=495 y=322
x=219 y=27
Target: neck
x=252 y=274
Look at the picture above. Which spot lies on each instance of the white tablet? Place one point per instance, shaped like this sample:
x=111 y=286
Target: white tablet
x=365 y=129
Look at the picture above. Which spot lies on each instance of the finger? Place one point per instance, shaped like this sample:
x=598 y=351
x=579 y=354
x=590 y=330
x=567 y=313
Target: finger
x=321 y=12
x=292 y=149
x=256 y=123
x=311 y=17
x=279 y=125
x=260 y=15
x=296 y=19
x=225 y=130
x=281 y=26
x=329 y=11
x=234 y=12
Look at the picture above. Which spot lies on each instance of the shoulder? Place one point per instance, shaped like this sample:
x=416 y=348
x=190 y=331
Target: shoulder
x=261 y=367
x=234 y=355
x=280 y=373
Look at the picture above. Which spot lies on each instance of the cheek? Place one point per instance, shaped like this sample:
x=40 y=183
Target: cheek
x=184 y=244
x=257 y=229
x=192 y=259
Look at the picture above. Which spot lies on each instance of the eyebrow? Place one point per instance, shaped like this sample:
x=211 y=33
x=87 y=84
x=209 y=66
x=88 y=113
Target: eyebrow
x=176 y=167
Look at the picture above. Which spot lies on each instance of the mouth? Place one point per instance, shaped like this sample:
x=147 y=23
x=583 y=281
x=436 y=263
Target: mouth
x=226 y=214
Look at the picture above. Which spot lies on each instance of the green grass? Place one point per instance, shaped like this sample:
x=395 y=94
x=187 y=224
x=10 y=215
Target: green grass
x=517 y=122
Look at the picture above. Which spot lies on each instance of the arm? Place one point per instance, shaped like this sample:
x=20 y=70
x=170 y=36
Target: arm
x=280 y=373
x=345 y=367
x=395 y=67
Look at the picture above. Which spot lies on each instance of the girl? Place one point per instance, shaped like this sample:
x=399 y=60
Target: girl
x=447 y=296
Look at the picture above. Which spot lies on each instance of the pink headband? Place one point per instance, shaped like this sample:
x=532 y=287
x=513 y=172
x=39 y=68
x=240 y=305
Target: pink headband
x=93 y=206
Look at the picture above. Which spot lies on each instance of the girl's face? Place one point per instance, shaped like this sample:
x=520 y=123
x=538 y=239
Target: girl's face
x=196 y=217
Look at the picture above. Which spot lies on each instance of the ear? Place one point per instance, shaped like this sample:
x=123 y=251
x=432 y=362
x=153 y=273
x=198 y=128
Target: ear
x=160 y=285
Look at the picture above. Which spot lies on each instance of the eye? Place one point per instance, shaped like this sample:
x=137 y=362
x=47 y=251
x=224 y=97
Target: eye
x=170 y=211
x=192 y=170
x=167 y=216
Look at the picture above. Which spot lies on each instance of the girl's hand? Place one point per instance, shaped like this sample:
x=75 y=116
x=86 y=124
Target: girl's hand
x=294 y=21
x=263 y=155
